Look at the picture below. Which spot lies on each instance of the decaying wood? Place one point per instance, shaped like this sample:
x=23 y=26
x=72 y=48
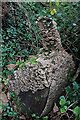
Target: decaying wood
x=50 y=70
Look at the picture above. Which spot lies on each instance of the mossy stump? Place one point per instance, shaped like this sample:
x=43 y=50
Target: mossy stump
x=40 y=82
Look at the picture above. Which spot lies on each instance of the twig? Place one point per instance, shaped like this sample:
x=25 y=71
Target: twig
x=71 y=105
x=77 y=73
x=72 y=53
x=44 y=5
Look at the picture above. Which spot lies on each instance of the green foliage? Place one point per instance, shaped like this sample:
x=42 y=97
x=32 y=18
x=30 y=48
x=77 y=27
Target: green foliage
x=20 y=38
x=77 y=111
x=72 y=98
x=8 y=109
x=68 y=25
x=38 y=118
x=62 y=102
x=32 y=60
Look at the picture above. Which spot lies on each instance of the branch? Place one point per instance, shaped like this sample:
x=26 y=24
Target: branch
x=77 y=73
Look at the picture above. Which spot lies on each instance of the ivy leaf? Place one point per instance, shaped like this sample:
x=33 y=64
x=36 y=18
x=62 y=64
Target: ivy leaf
x=62 y=102
x=76 y=110
x=75 y=86
x=68 y=89
x=62 y=110
x=45 y=118
x=62 y=97
x=33 y=115
x=57 y=3
x=17 y=63
x=50 y=4
x=68 y=102
x=53 y=11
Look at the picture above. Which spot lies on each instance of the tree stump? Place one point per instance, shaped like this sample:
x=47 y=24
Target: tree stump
x=42 y=78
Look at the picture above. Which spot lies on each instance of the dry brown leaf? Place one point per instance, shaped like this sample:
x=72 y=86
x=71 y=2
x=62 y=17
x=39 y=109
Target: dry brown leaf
x=15 y=108
x=1 y=86
x=22 y=117
x=3 y=97
x=30 y=56
x=9 y=76
x=8 y=94
x=55 y=109
x=16 y=57
x=11 y=66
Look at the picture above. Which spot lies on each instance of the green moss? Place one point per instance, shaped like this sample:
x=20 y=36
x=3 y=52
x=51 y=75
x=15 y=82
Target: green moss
x=21 y=65
x=37 y=99
x=32 y=60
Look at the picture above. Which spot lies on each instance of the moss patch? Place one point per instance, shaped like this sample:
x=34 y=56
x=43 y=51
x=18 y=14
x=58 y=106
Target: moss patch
x=32 y=60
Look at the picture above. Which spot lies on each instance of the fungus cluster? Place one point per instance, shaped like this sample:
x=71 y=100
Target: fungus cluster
x=53 y=65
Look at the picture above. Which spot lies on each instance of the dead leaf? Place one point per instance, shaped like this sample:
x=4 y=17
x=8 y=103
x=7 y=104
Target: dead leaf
x=8 y=94
x=9 y=76
x=11 y=66
x=55 y=108
x=22 y=117
x=3 y=97
x=16 y=57
x=30 y=56
x=15 y=108
x=4 y=100
x=1 y=86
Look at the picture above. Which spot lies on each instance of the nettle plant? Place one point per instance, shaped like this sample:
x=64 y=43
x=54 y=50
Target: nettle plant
x=70 y=102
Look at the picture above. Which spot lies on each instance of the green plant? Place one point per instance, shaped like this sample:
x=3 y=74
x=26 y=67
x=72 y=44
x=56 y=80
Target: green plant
x=68 y=25
x=70 y=102
x=8 y=110
x=38 y=118
x=19 y=37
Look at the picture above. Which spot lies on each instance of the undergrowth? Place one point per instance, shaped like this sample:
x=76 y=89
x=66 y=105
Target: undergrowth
x=21 y=39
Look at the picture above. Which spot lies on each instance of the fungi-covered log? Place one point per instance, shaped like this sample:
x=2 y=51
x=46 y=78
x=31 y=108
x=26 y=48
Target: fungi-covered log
x=42 y=78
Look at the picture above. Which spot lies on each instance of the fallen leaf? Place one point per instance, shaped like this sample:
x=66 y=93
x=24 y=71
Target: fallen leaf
x=30 y=56
x=3 y=101
x=1 y=86
x=16 y=57
x=11 y=66
x=3 y=97
x=55 y=108
x=15 y=108
x=22 y=117
x=9 y=76
x=8 y=94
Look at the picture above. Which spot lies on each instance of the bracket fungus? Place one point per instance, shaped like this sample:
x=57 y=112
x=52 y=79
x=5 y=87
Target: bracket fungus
x=48 y=76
